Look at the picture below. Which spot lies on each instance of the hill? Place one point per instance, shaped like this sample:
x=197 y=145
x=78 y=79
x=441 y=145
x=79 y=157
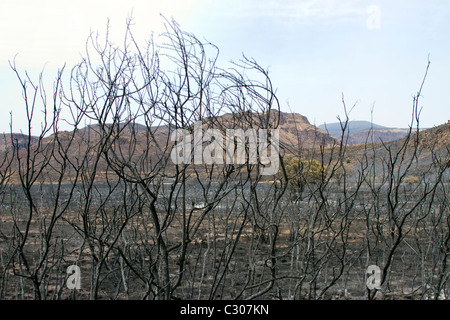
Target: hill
x=430 y=149
x=139 y=145
x=145 y=146
x=297 y=132
x=19 y=138
x=359 y=132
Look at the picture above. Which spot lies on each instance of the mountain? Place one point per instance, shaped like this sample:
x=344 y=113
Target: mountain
x=296 y=131
x=355 y=125
x=143 y=146
x=20 y=139
x=138 y=144
x=429 y=149
x=360 y=132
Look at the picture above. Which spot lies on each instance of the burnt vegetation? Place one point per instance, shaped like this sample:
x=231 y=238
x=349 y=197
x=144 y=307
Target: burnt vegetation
x=106 y=196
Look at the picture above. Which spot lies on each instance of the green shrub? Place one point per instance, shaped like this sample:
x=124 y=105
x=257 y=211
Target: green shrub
x=301 y=172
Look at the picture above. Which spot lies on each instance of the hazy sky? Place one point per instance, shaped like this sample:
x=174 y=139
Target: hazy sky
x=373 y=52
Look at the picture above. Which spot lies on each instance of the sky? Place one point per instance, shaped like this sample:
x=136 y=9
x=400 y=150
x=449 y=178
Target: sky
x=372 y=53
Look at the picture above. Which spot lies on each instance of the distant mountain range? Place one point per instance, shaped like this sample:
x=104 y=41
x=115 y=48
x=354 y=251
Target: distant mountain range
x=295 y=132
x=138 y=141
x=360 y=132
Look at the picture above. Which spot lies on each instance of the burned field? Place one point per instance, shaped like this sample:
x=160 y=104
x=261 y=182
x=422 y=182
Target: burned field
x=245 y=241
x=101 y=211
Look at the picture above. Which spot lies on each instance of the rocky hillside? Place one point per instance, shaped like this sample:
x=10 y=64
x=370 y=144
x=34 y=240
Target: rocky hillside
x=296 y=131
x=140 y=145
